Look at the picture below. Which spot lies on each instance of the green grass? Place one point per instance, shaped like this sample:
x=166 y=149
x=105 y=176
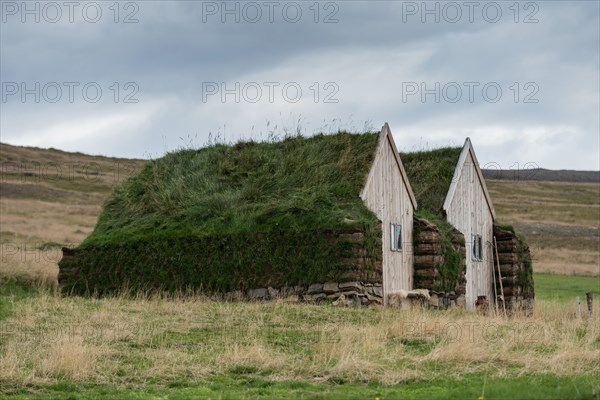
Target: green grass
x=430 y=174
x=297 y=184
x=565 y=288
x=249 y=386
x=12 y=291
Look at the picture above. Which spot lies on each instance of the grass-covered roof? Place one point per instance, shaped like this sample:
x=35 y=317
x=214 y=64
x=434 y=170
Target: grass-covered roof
x=296 y=184
x=430 y=174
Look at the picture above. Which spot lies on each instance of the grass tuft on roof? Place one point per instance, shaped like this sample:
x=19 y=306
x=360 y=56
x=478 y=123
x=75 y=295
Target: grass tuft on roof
x=295 y=184
x=430 y=174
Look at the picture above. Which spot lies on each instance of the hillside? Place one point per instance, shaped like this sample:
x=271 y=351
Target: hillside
x=541 y=174
x=50 y=198
x=51 y=187
x=560 y=220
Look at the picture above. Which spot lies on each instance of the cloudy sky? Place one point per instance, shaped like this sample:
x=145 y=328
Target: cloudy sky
x=136 y=79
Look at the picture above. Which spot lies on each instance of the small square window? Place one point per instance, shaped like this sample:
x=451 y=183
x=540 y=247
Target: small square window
x=396 y=237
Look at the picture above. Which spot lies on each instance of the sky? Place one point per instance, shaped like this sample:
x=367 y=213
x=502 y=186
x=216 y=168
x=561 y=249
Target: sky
x=140 y=78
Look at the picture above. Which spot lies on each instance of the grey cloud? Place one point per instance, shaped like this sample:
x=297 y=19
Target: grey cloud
x=368 y=54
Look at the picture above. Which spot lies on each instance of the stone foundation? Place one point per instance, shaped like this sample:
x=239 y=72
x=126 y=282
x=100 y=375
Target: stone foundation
x=424 y=298
x=351 y=293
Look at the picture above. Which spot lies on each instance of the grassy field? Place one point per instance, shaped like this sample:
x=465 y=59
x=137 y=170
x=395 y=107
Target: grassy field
x=565 y=288
x=560 y=220
x=195 y=347
x=183 y=346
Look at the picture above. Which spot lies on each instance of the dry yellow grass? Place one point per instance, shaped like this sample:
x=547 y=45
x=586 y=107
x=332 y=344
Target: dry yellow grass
x=561 y=221
x=42 y=221
x=32 y=233
x=128 y=341
x=566 y=203
x=67 y=357
x=566 y=261
x=26 y=263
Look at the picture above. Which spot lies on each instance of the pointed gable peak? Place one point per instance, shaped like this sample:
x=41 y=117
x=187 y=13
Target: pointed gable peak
x=468 y=152
x=387 y=139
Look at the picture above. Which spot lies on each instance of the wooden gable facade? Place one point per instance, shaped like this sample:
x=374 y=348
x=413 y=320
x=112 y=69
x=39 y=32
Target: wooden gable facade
x=388 y=194
x=469 y=209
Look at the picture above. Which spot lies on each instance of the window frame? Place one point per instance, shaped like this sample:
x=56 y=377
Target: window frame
x=395 y=237
x=476 y=247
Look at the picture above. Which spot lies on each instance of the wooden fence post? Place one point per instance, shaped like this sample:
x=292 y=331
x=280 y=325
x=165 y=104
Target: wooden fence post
x=590 y=299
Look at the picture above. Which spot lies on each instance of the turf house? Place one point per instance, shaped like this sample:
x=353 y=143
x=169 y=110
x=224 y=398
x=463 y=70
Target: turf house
x=316 y=218
x=324 y=218
x=459 y=247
